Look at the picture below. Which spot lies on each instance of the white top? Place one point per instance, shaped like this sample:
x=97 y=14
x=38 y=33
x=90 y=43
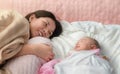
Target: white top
x=39 y=39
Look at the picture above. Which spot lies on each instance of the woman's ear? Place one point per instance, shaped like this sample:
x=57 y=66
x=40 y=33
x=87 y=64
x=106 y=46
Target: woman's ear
x=32 y=17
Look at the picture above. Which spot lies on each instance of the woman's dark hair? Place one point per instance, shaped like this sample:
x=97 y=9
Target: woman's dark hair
x=44 y=13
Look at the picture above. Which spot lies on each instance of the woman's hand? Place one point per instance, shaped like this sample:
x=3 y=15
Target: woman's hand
x=40 y=50
x=43 y=51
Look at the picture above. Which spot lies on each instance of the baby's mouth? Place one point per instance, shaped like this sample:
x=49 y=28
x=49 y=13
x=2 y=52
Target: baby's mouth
x=77 y=46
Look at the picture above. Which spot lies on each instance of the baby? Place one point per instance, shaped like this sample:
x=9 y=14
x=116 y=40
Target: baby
x=86 y=43
x=85 y=58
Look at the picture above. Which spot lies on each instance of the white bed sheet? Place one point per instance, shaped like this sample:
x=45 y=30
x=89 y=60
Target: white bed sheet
x=107 y=35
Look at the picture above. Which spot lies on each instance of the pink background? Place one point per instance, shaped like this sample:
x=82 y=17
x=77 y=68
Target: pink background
x=104 y=11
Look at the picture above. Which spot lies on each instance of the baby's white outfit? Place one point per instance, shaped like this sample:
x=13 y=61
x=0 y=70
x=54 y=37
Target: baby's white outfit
x=83 y=62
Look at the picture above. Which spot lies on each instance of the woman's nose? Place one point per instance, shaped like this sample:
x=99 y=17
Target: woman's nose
x=47 y=32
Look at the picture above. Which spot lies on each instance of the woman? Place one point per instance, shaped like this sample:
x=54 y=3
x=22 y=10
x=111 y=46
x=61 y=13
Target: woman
x=41 y=23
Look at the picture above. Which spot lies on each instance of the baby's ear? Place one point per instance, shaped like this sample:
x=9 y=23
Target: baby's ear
x=93 y=46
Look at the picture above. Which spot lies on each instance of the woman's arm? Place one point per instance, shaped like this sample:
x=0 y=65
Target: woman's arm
x=41 y=50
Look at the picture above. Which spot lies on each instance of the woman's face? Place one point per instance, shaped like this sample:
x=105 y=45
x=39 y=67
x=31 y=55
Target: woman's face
x=43 y=26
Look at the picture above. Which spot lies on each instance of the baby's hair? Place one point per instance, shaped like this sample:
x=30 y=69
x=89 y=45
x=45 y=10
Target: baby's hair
x=95 y=41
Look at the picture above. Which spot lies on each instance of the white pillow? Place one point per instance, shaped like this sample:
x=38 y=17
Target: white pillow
x=107 y=35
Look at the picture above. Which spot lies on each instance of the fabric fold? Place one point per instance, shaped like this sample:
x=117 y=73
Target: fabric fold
x=14 y=33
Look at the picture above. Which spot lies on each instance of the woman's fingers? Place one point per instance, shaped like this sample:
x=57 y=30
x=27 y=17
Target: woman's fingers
x=44 y=51
x=50 y=57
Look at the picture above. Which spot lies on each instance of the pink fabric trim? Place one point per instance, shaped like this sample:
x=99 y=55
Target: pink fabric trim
x=48 y=68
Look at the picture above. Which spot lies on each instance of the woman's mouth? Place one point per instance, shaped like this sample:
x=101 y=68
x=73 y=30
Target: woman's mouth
x=40 y=34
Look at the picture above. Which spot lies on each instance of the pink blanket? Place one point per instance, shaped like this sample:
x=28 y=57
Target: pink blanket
x=48 y=68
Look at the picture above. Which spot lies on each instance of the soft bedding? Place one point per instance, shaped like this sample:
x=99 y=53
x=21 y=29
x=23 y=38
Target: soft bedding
x=107 y=35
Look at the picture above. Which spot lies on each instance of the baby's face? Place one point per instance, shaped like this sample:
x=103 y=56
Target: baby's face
x=84 y=44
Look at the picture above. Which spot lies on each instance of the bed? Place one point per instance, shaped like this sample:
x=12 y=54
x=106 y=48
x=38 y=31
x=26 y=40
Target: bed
x=98 y=19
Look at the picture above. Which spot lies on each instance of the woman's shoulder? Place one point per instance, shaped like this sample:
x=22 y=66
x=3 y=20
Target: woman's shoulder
x=13 y=14
x=8 y=11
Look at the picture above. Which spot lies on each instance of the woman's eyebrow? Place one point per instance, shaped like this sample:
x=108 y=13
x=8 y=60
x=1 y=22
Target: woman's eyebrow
x=44 y=21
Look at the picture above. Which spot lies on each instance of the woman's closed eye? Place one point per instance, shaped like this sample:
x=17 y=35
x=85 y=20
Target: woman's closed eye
x=46 y=23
